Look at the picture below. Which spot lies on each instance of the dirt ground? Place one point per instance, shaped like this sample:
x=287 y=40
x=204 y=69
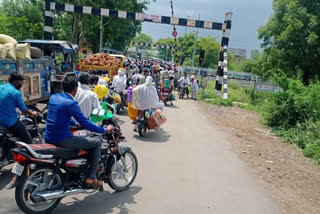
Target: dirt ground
x=291 y=179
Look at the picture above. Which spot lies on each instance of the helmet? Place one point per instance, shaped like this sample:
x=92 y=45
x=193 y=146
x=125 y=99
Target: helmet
x=101 y=91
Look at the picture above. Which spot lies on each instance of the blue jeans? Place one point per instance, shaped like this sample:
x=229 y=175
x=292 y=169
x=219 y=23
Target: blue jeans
x=93 y=146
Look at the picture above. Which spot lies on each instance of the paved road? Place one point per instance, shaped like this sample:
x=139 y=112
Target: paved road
x=185 y=167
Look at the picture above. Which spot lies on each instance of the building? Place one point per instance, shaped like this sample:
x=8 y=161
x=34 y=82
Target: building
x=240 y=55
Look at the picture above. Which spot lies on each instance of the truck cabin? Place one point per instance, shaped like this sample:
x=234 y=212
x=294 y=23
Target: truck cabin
x=63 y=53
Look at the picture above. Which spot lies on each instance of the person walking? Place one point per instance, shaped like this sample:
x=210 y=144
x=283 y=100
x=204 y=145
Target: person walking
x=195 y=87
x=204 y=83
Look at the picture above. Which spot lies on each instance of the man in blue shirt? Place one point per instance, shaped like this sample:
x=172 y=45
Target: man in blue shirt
x=10 y=99
x=62 y=107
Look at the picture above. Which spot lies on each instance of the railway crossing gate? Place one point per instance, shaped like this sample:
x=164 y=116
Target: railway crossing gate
x=222 y=74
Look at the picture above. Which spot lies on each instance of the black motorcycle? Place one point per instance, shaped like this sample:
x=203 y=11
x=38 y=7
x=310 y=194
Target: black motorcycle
x=183 y=90
x=46 y=173
x=8 y=141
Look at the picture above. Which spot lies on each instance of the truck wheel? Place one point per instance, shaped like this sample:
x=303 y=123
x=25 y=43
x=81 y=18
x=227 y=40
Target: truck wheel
x=35 y=53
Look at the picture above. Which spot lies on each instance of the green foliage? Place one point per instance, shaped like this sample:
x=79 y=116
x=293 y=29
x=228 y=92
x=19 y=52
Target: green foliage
x=143 y=38
x=291 y=40
x=164 y=53
x=186 y=44
x=22 y=19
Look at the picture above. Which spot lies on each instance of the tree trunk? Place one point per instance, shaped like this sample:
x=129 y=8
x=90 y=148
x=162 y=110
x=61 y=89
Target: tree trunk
x=75 y=29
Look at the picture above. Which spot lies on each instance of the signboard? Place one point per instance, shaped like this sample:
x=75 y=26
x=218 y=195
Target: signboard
x=174 y=33
x=143 y=16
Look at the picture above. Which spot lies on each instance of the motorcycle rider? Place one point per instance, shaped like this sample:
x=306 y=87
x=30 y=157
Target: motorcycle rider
x=87 y=99
x=119 y=84
x=62 y=107
x=10 y=99
x=119 y=81
x=185 y=80
x=146 y=97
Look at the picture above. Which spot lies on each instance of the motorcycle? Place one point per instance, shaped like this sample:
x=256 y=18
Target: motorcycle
x=142 y=122
x=166 y=96
x=149 y=120
x=46 y=173
x=120 y=103
x=183 y=90
x=7 y=140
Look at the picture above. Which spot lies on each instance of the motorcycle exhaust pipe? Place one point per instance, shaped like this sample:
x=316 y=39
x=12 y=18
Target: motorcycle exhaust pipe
x=50 y=195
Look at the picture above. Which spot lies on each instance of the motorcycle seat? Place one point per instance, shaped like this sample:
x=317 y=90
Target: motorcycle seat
x=57 y=152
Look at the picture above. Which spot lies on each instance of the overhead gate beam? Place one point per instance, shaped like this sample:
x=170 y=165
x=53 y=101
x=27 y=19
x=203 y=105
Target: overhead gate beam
x=51 y=5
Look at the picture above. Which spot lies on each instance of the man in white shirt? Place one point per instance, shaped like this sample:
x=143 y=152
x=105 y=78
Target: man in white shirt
x=87 y=99
x=119 y=81
x=185 y=81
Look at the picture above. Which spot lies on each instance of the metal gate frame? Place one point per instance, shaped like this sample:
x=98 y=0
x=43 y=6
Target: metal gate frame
x=222 y=73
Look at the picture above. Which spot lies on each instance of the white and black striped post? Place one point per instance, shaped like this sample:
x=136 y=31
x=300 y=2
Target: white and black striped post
x=222 y=75
x=48 y=21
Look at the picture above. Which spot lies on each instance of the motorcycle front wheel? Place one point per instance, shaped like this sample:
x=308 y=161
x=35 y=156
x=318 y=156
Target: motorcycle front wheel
x=39 y=180
x=120 y=177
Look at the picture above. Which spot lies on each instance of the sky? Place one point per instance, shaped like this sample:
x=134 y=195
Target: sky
x=248 y=17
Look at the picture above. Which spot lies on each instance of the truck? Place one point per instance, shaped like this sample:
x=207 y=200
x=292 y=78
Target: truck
x=37 y=78
x=43 y=76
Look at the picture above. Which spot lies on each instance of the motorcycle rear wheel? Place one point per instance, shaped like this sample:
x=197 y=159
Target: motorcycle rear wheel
x=142 y=130
x=117 y=171
x=36 y=182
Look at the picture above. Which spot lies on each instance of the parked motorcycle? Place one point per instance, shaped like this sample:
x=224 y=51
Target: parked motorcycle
x=183 y=90
x=47 y=173
x=7 y=140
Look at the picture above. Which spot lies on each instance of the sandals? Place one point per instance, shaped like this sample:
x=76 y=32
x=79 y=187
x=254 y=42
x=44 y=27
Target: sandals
x=93 y=183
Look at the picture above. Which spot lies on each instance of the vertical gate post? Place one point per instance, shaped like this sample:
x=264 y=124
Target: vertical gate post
x=48 y=20
x=222 y=74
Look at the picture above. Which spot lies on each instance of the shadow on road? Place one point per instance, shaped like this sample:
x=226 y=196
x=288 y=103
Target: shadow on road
x=154 y=136
x=170 y=106
x=101 y=203
x=5 y=177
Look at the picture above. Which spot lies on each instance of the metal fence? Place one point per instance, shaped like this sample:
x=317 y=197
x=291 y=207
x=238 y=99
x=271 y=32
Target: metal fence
x=241 y=78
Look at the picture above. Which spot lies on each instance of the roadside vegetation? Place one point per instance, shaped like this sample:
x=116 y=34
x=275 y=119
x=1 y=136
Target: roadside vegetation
x=293 y=114
x=290 y=58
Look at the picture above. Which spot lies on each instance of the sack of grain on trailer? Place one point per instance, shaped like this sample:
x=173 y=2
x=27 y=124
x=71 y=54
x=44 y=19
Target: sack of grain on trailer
x=7 y=39
x=23 y=51
x=3 y=51
x=11 y=50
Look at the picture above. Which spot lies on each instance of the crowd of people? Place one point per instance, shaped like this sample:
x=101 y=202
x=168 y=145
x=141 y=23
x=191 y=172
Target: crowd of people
x=140 y=84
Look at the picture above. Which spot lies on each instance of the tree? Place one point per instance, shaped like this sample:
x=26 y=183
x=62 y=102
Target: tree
x=291 y=40
x=165 y=53
x=212 y=51
x=144 y=39
x=70 y=26
x=23 y=19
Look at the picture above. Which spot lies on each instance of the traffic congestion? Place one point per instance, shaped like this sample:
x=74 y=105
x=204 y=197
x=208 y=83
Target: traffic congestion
x=73 y=145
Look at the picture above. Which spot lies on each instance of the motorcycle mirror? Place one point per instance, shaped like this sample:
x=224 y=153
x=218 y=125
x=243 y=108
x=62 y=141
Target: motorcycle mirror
x=95 y=111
